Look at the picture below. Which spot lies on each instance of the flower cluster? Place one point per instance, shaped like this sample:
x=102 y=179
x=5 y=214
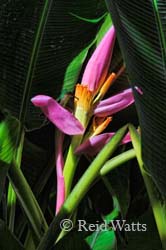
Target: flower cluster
x=88 y=106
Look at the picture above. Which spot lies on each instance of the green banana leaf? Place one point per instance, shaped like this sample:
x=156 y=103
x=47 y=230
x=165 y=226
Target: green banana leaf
x=38 y=41
x=8 y=134
x=141 y=32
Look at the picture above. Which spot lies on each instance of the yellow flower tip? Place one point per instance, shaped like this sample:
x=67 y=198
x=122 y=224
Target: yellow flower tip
x=99 y=124
x=104 y=88
x=83 y=97
x=107 y=84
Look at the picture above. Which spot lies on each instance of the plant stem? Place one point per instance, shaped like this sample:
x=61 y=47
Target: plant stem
x=93 y=170
x=116 y=204
x=159 y=209
x=28 y=202
x=11 y=199
x=117 y=161
x=80 y=189
x=71 y=164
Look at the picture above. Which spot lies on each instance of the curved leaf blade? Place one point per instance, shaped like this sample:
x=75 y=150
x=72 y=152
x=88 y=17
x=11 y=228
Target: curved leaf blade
x=144 y=50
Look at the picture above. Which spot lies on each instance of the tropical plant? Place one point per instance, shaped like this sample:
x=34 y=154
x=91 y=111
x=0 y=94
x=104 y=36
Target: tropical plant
x=62 y=78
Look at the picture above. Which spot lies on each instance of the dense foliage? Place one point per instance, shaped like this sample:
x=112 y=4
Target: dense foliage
x=116 y=171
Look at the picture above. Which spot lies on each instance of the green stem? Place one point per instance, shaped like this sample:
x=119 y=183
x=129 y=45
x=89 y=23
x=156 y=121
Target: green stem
x=117 y=161
x=93 y=170
x=116 y=204
x=71 y=164
x=72 y=160
x=159 y=210
x=11 y=199
x=28 y=202
x=80 y=189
